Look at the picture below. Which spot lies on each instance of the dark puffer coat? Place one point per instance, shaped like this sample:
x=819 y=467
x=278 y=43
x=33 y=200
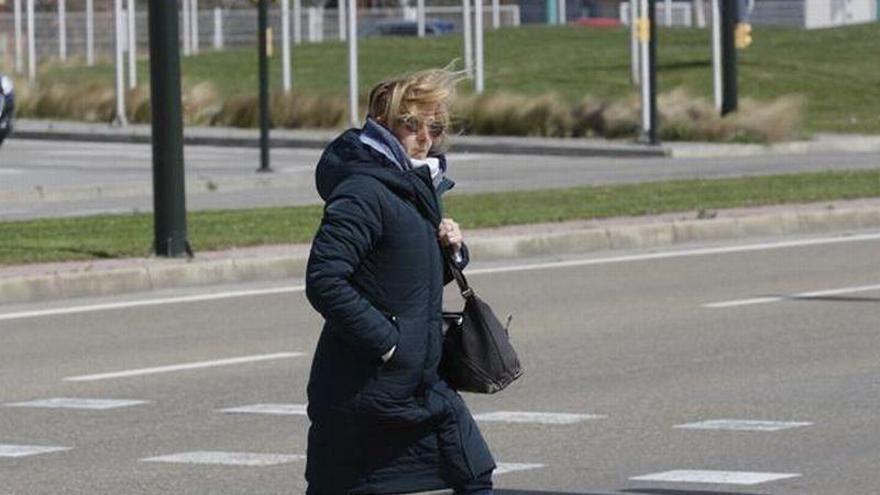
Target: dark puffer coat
x=376 y=275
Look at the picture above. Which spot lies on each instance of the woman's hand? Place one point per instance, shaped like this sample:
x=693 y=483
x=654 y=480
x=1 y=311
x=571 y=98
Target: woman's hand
x=449 y=234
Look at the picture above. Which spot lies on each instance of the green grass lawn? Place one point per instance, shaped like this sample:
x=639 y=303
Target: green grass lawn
x=131 y=235
x=835 y=70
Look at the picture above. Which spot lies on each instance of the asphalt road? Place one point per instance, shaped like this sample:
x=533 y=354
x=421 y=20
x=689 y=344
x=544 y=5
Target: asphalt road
x=70 y=173
x=625 y=337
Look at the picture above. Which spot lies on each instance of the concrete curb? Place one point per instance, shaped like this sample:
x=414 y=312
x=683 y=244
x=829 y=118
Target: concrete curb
x=121 y=276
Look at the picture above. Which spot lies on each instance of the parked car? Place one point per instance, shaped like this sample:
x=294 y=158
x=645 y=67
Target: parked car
x=402 y=27
x=7 y=106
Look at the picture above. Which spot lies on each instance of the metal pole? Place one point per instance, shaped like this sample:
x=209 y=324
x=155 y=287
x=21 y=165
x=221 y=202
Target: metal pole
x=297 y=22
x=468 y=36
x=652 y=71
x=668 y=13
x=62 y=29
x=635 y=59
x=169 y=192
x=120 y=118
x=19 y=53
x=496 y=14
x=354 y=116
x=285 y=44
x=479 y=84
x=644 y=40
x=716 y=52
x=32 y=49
x=563 y=15
x=132 y=46
x=187 y=40
x=194 y=32
x=340 y=10
x=729 y=18
x=263 y=27
x=218 y=28
x=699 y=13
x=420 y=17
x=90 y=32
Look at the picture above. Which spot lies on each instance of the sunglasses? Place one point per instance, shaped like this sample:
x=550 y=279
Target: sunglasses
x=414 y=124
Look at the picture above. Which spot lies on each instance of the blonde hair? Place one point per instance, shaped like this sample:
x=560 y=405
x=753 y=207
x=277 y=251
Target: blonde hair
x=415 y=94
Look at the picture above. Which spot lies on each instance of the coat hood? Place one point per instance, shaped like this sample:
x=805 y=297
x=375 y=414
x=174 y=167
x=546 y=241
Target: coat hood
x=347 y=156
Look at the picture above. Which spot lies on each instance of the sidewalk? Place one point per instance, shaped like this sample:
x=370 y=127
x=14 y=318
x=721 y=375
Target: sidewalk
x=314 y=139
x=30 y=283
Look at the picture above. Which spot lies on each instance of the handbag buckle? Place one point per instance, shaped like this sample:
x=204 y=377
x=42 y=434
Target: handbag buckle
x=467 y=293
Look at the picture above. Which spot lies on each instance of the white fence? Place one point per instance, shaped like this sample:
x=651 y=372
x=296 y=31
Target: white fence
x=810 y=14
x=217 y=28
x=669 y=13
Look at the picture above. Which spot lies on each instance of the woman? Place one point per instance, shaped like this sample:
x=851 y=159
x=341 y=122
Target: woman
x=383 y=421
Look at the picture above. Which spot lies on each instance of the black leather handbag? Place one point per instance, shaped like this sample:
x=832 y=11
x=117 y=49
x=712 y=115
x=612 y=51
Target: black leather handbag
x=477 y=354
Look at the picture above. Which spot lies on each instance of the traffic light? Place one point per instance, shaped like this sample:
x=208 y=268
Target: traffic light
x=743 y=35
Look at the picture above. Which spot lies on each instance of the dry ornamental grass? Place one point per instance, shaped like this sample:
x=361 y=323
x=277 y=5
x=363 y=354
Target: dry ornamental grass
x=682 y=115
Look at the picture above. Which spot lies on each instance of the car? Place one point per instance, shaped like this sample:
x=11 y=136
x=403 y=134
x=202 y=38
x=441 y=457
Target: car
x=403 y=27
x=7 y=107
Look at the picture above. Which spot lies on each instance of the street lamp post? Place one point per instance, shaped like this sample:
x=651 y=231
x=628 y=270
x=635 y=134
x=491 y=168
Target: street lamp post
x=729 y=91
x=263 y=26
x=169 y=199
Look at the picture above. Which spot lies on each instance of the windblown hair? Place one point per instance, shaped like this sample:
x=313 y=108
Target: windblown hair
x=414 y=95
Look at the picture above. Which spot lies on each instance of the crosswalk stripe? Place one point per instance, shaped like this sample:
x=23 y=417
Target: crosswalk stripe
x=715 y=477
x=280 y=409
x=9 y=450
x=536 y=417
x=226 y=458
x=510 y=467
x=77 y=403
x=743 y=425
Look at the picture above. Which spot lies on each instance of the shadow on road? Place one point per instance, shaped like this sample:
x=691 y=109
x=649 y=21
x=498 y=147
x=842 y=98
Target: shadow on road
x=634 y=491
x=838 y=299
x=661 y=491
x=540 y=492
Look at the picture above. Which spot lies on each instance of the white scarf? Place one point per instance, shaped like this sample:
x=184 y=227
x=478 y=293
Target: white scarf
x=433 y=165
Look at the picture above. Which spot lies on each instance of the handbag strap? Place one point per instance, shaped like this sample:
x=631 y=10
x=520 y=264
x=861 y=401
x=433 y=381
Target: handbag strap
x=458 y=275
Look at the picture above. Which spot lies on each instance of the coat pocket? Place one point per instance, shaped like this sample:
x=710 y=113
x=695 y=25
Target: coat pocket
x=400 y=377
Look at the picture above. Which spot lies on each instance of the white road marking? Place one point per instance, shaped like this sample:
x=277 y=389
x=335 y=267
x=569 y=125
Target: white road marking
x=715 y=477
x=7 y=450
x=679 y=254
x=183 y=367
x=10 y=171
x=790 y=297
x=743 y=425
x=468 y=157
x=509 y=467
x=75 y=403
x=150 y=302
x=280 y=409
x=93 y=153
x=536 y=417
x=481 y=271
x=227 y=458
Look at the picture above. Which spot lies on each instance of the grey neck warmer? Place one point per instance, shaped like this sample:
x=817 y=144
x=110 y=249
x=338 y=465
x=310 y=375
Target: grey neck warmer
x=382 y=140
